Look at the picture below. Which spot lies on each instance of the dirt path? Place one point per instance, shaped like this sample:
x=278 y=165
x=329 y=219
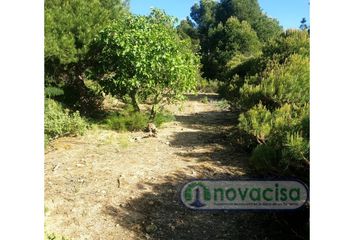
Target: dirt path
x=108 y=185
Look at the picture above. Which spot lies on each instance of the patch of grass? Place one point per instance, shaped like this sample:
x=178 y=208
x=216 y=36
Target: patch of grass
x=132 y=121
x=205 y=100
x=124 y=142
x=163 y=117
x=128 y=120
x=223 y=104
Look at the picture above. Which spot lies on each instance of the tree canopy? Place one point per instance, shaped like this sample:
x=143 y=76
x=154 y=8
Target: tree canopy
x=70 y=26
x=143 y=57
x=239 y=25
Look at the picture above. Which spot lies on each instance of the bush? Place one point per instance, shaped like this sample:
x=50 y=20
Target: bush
x=163 y=117
x=129 y=120
x=133 y=121
x=59 y=121
x=275 y=105
x=291 y=48
x=208 y=86
x=263 y=158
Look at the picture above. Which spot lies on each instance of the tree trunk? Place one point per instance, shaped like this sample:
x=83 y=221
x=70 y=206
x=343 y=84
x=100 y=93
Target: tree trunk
x=135 y=101
x=153 y=112
x=154 y=107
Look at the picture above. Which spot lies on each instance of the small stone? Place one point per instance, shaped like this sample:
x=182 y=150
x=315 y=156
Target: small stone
x=151 y=228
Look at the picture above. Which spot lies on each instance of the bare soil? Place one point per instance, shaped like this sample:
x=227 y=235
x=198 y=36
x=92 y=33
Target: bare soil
x=110 y=185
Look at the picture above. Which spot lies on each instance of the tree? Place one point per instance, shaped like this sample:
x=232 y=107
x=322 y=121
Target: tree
x=212 y=16
x=143 y=57
x=303 y=25
x=187 y=30
x=250 y=11
x=230 y=45
x=244 y=10
x=204 y=14
x=70 y=26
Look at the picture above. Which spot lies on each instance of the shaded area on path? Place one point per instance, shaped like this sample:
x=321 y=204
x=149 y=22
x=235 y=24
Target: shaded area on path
x=161 y=216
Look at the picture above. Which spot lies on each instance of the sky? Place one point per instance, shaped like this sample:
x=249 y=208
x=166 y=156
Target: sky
x=288 y=12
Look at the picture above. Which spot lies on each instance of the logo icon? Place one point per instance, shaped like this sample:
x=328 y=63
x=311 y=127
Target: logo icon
x=196 y=194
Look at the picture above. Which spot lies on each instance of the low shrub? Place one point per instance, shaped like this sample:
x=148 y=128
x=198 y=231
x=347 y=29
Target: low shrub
x=275 y=108
x=208 y=86
x=133 y=121
x=163 y=117
x=59 y=121
x=263 y=158
x=129 y=120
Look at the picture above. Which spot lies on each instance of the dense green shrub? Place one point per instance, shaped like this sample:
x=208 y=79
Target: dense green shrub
x=69 y=27
x=291 y=48
x=275 y=107
x=59 y=121
x=264 y=158
x=285 y=130
x=130 y=120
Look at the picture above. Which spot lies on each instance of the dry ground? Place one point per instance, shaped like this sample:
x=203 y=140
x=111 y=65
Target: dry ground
x=109 y=185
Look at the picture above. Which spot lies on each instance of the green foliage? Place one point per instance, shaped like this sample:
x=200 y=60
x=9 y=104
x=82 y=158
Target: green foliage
x=275 y=106
x=288 y=43
x=205 y=100
x=127 y=121
x=187 y=30
x=250 y=11
x=231 y=44
x=257 y=122
x=58 y=121
x=143 y=56
x=70 y=26
x=204 y=14
x=223 y=104
x=287 y=57
x=163 y=117
x=230 y=32
x=264 y=158
x=281 y=84
x=207 y=86
x=130 y=120
x=53 y=91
